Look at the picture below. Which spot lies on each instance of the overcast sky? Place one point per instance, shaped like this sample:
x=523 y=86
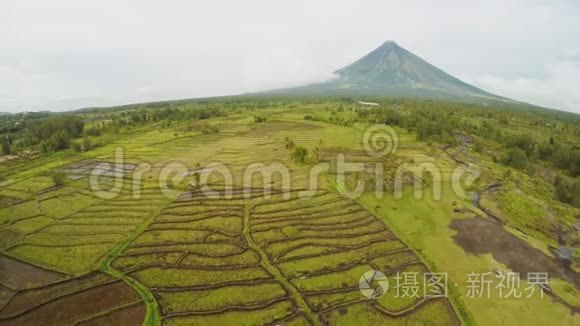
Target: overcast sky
x=60 y=55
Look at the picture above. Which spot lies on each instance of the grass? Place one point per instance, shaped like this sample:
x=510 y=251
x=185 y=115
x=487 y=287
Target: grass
x=179 y=242
x=16 y=212
x=74 y=260
x=248 y=257
x=164 y=236
x=270 y=314
x=129 y=262
x=215 y=249
x=333 y=260
x=277 y=249
x=392 y=261
x=325 y=301
x=181 y=277
x=227 y=224
x=52 y=239
x=396 y=300
x=434 y=313
x=29 y=225
x=220 y=298
x=334 y=280
x=423 y=224
x=152 y=313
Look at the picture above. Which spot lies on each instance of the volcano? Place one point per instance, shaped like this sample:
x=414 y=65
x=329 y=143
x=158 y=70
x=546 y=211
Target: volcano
x=391 y=70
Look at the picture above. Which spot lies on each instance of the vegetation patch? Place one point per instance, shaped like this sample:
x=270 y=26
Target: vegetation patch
x=74 y=260
x=159 y=277
x=219 y=298
x=270 y=314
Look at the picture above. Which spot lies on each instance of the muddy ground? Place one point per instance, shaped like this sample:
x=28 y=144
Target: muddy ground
x=80 y=305
x=480 y=236
x=16 y=274
x=132 y=315
x=31 y=295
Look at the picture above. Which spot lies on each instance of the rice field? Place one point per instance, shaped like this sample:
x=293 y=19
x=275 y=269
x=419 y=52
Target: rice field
x=277 y=252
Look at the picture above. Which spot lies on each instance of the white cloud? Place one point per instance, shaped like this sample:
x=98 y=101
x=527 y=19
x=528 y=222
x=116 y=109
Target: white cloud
x=64 y=54
x=558 y=89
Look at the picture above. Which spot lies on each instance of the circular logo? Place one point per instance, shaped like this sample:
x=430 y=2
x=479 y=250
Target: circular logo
x=380 y=140
x=373 y=284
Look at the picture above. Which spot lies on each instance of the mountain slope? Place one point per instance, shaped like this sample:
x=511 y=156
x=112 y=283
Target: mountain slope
x=391 y=70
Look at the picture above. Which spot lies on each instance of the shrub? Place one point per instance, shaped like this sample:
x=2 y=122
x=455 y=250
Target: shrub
x=300 y=153
x=87 y=144
x=566 y=191
x=208 y=129
x=517 y=158
x=58 y=177
x=76 y=147
x=523 y=142
x=316 y=154
x=258 y=119
x=289 y=142
x=6 y=150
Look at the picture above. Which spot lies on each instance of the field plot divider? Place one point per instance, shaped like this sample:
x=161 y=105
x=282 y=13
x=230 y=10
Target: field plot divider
x=454 y=297
x=152 y=315
x=268 y=266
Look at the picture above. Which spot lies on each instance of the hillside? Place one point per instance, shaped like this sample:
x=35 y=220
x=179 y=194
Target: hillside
x=391 y=70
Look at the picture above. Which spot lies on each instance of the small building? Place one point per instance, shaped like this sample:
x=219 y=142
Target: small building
x=368 y=103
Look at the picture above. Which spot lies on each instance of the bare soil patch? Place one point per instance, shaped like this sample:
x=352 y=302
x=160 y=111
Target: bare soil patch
x=26 y=300
x=132 y=315
x=479 y=236
x=16 y=274
x=9 y=238
x=111 y=169
x=5 y=296
x=78 y=306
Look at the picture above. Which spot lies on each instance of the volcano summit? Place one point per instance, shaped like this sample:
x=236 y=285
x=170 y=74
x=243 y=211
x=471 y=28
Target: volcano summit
x=391 y=70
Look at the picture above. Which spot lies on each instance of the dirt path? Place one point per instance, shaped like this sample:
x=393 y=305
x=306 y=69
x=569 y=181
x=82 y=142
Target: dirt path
x=152 y=315
x=453 y=156
x=488 y=191
x=273 y=270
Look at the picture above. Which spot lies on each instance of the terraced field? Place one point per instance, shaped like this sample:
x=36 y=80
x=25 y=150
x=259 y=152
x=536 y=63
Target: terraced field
x=231 y=258
x=247 y=259
x=69 y=229
x=30 y=294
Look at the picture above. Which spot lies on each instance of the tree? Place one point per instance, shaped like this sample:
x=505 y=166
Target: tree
x=77 y=147
x=58 y=177
x=316 y=154
x=259 y=119
x=208 y=129
x=523 y=142
x=517 y=158
x=87 y=144
x=59 y=140
x=567 y=191
x=300 y=153
x=6 y=146
x=289 y=142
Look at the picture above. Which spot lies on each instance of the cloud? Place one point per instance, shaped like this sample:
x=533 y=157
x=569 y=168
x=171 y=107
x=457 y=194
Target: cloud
x=65 y=54
x=558 y=89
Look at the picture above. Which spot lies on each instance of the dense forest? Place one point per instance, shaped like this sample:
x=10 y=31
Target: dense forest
x=46 y=133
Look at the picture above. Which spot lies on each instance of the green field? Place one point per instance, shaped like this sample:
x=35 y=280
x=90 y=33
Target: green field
x=147 y=243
